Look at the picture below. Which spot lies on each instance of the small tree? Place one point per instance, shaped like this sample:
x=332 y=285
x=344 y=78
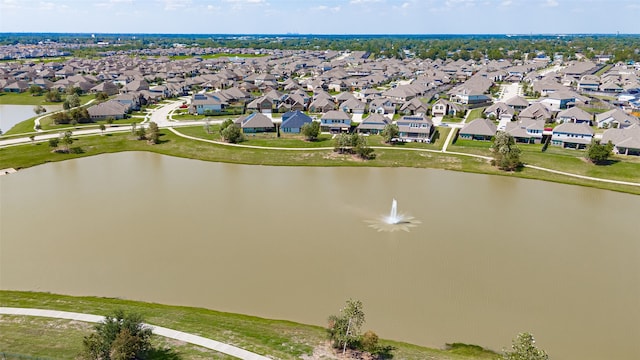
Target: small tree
x=598 y=153
x=232 y=134
x=102 y=128
x=119 y=336
x=311 y=130
x=344 y=329
x=225 y=124
x=153 y=133
x=32 y=138
x=390 y=132
x=53 y=96
x=101 y=96
x=73 y=100
x=523 y=348
x=53 y=143
x=506 y=153
x=35 y=90
x=67 y=140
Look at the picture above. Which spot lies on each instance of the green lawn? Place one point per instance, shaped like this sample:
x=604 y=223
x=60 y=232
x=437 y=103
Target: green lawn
x=27 y=99
x=475 y=113
x=274 y=338
x=62 y=339
x=623 y=168
x=34 y=154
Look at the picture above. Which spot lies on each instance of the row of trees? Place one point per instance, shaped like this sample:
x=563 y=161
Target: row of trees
x=354 y=144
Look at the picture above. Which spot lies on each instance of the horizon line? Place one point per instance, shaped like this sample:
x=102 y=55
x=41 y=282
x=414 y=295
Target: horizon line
x=320 y=34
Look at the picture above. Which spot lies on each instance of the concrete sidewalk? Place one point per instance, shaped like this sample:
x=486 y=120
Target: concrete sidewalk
x=157 y=330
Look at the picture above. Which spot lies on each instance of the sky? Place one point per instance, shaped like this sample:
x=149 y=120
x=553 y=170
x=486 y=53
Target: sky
x=322 y=16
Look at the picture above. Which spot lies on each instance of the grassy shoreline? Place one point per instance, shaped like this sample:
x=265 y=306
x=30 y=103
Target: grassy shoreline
x=277 y=338
x=24 y=156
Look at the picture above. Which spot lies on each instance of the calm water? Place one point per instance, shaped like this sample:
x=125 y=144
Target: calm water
x=491 y=257
x=10 y=115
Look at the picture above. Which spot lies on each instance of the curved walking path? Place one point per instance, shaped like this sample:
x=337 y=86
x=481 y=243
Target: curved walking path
x=157 y=330
x=443 y=151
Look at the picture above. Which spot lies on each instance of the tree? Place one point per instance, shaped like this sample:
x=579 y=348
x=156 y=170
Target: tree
x=53 y=96
x=362 y=148
x=120 y=336
x=353 y=144
x=232 y=133
x=73 y=100
x=390 y=132
x=32 y=138
x=225 y=124
x=523 y=348
x=53 y=143
x=207 y=126
x=506 y=153
x=67 y=140
x=102 y=96
x=153 y=133
x=102 y=128
x=35 y=90
x=344 y=329
x=66 y=105
x=598 y=153
x=311 y=130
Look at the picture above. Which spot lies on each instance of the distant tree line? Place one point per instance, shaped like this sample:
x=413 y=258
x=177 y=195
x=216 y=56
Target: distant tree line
x=622 y=47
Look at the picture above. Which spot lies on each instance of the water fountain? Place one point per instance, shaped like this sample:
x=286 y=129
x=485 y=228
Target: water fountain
x=395 y=221
x=393 y=216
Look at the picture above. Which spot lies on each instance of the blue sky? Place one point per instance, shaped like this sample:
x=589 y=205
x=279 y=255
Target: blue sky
x=321 y=16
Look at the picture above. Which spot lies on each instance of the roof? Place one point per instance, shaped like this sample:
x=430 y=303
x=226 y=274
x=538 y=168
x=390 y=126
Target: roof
x=519 y=128
x=374 y=121
x=574 y=128
x=627 y=137
x=336 y=115
x=254 y=120
x=295 y=119
x=575 y=113
x=480 y=126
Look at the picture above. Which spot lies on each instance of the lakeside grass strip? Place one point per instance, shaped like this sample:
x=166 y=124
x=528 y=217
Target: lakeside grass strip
x=279 y=339
x=27 y=155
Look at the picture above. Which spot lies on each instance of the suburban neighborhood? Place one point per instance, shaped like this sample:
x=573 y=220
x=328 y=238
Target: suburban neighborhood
x=564 y=103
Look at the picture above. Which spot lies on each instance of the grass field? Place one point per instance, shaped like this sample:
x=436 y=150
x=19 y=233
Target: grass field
x=275 y=338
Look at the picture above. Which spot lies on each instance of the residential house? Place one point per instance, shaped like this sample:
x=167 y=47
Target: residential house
x=625 y=141
x=444 y=107
x=255 y=123
x=203 y=104
x=574 y=115
x=335 y=121
x=353 y=106
x=527 y=131
x=293 y=121
x=108 y=110
x=572 y=135
x=16 y=86
x=415 y=128
x=373 y=124
x=518 y=103
x=589 y=83
x=414 y=107
x=130 y=100
x=615 y=118
x=536 y=111
x=470 y=97
x=499 y=111
x=262 y=104
x=382 y=106
x=559 y=100
x=107 y=87
x=478 y=129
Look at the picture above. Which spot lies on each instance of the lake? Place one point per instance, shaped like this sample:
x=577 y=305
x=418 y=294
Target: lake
x=10 y=115
x=482 y=258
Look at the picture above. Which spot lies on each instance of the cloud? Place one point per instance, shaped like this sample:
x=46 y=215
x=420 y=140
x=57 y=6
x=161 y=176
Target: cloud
x=459 y=3
x=506 y=3
x=171 y=5
x=362 y=2
x=326 y=8
x=551 y=3
x=10 y=4
x=240 y=4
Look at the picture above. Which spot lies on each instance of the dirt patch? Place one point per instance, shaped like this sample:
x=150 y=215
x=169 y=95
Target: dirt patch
x=326 y=352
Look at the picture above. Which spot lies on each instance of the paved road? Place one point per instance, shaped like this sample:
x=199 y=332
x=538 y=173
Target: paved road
x=158 y=330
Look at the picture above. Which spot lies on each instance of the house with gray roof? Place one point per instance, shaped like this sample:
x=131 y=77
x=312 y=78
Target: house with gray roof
x=574 y=115
x=536 y=111
x=335 y=121
x=625 y=141
x=572 y=135
x=415 y=128
x=478 y=129
x=527 y=131
x=255 y=123
x=444 y=107
x=108 y=110
x=373 y=124
x=615 y=118
x=203 y=104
